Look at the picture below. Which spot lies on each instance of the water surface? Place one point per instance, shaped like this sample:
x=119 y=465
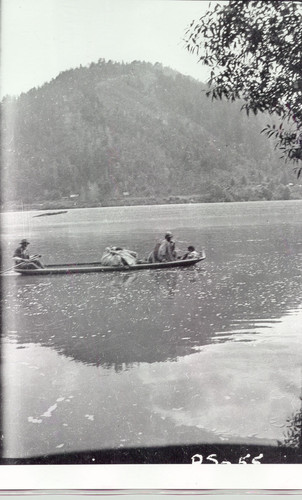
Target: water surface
x=204 y=355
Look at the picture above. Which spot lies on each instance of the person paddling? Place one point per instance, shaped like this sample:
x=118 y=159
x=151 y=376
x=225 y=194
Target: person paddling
x=22 y=258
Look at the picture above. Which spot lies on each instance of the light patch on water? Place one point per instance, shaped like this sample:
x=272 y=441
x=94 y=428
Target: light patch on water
x=34 y=420
x=49 y=411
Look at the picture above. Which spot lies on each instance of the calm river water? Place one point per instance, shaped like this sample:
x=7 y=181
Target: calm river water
x=210 y=354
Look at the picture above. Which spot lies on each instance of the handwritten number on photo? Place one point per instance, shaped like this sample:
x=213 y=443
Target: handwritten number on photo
x=198 y=459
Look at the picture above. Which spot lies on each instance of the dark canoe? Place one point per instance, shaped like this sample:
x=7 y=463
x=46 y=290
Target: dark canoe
x=96 y=267
x=51 y=213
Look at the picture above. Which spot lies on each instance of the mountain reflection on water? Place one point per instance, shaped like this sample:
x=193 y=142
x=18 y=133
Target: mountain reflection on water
x=200 y=355
x=151 y=316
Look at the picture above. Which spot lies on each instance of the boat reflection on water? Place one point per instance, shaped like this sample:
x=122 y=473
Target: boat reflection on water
x=167 y=283
x=123 y=280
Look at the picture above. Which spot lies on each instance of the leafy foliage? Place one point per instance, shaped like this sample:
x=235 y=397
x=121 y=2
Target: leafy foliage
x=293 y=431
x=254 y=50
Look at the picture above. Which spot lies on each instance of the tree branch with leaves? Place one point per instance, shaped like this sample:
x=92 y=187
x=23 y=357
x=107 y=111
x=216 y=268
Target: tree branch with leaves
x=254 y=51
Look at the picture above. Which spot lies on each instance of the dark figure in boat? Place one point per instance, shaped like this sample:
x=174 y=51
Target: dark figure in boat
x=191 y=253
x=164 y=251
x=119 y=257
x=22 y=258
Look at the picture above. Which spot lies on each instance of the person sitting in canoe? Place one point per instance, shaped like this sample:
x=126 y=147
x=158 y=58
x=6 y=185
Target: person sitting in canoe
x=191 y=253
x=118 y=257
x=164 y=251
x=22 y=258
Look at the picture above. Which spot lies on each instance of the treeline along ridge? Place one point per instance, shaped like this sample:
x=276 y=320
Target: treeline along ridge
x=115 y=133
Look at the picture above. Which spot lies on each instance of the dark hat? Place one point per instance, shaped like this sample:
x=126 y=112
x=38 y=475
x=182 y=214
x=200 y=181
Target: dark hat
x=24 y=242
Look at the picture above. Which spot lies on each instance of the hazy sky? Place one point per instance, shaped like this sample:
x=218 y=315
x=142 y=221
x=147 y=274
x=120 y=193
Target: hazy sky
x=41 y=38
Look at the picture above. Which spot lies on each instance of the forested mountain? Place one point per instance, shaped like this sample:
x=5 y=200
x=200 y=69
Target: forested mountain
x=117 y=133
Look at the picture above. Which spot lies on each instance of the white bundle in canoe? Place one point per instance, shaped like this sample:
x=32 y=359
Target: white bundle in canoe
x=114 y=256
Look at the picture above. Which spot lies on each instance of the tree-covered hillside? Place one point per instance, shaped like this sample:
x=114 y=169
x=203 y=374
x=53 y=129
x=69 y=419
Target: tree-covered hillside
x=121 y=133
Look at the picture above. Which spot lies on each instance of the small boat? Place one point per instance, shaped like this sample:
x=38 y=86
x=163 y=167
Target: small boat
x=96 y=267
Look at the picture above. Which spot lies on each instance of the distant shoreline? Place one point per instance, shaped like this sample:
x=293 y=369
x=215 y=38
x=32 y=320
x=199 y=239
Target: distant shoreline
x=59 y=206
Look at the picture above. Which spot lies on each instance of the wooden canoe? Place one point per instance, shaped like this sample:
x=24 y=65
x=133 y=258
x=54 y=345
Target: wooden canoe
x=51 y=213
x=96 y=267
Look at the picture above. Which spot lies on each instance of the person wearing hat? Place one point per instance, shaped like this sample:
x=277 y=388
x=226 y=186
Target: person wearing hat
x=166 y=251
x=23 y=259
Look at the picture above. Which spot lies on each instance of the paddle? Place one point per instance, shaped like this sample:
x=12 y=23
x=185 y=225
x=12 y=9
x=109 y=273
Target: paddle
x=16 y=265
x=10 y=268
